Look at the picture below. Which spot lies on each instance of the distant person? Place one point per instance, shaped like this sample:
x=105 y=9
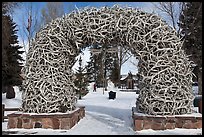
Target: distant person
x=94 y=87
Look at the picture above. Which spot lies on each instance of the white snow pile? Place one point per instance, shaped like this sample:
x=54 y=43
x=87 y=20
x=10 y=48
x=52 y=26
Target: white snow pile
x=103 y=116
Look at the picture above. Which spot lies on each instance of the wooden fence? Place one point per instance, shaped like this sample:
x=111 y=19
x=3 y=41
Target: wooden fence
x=7 y=109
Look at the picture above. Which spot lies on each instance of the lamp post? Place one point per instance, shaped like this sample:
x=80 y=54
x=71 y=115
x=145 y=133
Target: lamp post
x=104 y=51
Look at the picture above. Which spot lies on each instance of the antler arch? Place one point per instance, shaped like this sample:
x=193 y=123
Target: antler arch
x=165 y=71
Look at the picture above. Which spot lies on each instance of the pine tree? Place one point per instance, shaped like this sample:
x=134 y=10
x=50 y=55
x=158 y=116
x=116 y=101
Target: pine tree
x=81 y=81
x=109 y=63
x=94 y=68
x=100 y=65
x=115 y=73
x=11 y=55
x=90 y=69
x=191 y=32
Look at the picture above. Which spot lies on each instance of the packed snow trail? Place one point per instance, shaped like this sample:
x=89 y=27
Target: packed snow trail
x=103 y=116
x=107 y=116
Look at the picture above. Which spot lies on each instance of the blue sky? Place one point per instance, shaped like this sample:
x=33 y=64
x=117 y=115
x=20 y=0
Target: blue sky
x=20 y=17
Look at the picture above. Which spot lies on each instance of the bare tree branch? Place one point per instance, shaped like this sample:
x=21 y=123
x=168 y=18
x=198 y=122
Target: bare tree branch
x=172 y=10
x=28 y=33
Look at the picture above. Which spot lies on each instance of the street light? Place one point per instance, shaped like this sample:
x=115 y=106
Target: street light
x=104 y=50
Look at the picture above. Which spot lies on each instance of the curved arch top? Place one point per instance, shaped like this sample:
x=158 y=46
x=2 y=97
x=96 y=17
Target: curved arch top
x=165 y=71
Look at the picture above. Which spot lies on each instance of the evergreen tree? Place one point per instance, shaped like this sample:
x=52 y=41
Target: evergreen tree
x=7 y=7
x=115 y=73
x=191 y=32
x=94 y=67
x=109 y=63
x=11 y=55
x=90 y=68
x=100 y=65
x=111 y=68
x=81 y=81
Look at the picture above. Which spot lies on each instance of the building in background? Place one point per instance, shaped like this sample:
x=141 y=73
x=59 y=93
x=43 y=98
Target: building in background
x=129 y=81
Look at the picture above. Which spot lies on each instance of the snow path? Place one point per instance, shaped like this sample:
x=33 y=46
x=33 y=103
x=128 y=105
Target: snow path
x=111 y=115
x=103 y=116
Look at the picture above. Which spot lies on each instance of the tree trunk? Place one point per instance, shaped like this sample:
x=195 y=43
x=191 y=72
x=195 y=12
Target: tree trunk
x=10 y=93
x=119 y=73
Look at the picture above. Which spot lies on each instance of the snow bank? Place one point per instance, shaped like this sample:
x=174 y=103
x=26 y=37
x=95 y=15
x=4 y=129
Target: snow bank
x=103 y=116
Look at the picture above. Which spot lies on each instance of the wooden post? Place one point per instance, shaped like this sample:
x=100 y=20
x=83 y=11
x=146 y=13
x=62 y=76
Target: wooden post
x=3 y=108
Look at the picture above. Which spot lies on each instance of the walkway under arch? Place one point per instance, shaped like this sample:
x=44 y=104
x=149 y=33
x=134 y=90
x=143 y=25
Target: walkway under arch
x=165 y=70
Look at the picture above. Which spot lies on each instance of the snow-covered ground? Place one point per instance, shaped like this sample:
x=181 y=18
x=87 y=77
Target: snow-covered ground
x=103 y=116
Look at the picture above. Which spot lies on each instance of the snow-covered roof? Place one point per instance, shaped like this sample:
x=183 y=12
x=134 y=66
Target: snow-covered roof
x=123 y=77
